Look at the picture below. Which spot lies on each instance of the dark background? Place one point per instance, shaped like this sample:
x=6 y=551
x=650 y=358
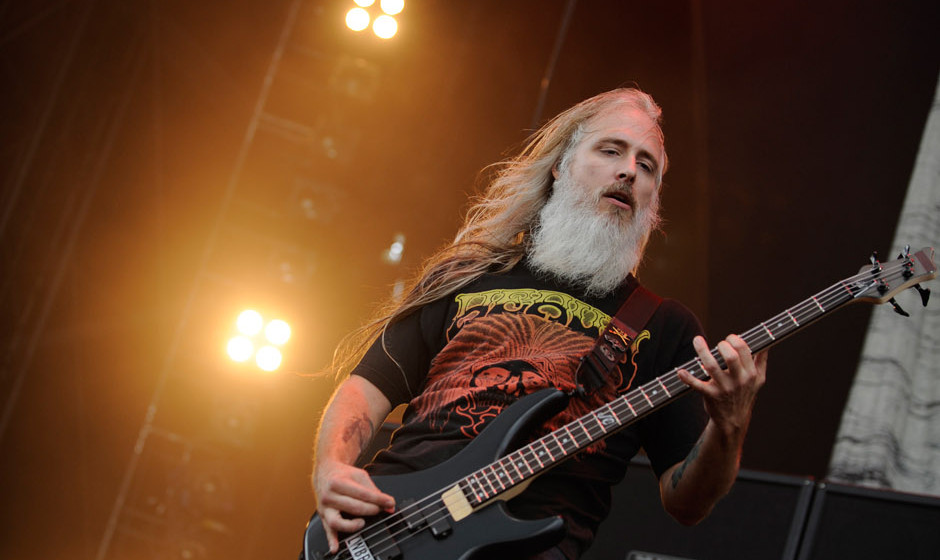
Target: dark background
x=149 y=194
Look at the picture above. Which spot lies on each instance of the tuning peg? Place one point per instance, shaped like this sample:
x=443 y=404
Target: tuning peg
x=875 y=264
x=924 y=294
x=897 y=308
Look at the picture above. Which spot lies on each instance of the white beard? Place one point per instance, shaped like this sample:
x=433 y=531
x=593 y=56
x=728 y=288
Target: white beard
x=577 y=242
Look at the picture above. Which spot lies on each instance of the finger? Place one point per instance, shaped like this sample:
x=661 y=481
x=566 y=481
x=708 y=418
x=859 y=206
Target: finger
x=704 y=354
x=360 y=487
x=334 y=523
x=731 y=356
x=350 y=505
x=760 y=362
x=693 y=382
x=331 y=537
x=745 y=358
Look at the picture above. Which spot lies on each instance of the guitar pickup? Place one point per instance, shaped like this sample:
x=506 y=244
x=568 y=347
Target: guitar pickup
x=440 y=527
x=435 y=520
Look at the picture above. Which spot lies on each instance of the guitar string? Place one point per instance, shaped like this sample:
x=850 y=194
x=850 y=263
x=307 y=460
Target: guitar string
x=670 y=381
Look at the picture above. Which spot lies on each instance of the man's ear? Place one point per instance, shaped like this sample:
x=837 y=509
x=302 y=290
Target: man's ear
x=555 y=171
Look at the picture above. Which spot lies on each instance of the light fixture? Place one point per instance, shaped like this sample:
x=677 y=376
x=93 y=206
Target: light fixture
x=357 y=19
x=254 y=332
x=383 y=24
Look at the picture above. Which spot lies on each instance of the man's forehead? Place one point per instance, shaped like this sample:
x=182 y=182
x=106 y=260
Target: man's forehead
x=623 y=118
x=628 y=124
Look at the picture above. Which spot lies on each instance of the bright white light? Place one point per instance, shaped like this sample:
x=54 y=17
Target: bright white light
x=240 y=348
x=392 y=7
x=357 y=19
x=268 y=358
x=394 y=253
x=385 y=26
x=277 y=332
x=364 y=3
x=249 y=322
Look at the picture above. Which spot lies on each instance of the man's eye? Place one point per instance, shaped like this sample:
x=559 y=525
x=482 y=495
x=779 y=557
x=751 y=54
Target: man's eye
x=646 y=166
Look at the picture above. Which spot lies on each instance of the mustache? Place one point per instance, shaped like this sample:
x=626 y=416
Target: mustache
x=621 y=191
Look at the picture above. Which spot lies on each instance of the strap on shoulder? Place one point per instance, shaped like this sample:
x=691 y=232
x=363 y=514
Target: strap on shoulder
x=613 y=345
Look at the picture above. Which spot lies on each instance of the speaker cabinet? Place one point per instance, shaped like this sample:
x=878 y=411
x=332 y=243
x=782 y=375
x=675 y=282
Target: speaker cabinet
x=868 y=524
x=762 y=518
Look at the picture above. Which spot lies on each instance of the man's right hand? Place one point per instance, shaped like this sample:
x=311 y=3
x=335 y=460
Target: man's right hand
x=346 y=494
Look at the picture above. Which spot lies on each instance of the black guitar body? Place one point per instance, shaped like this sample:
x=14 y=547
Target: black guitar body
x=490 y=530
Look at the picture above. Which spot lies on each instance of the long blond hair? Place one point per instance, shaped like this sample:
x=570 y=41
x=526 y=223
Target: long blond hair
x=494 y=233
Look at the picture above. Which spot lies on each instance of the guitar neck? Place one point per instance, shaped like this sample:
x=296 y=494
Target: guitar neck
x=515 y=468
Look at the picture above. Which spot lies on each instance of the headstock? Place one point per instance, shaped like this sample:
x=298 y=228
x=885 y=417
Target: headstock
x=880 y=282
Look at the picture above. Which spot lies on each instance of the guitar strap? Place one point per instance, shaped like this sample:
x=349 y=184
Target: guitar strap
x=612 y=346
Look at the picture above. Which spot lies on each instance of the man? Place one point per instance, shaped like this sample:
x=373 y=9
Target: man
x=532 y=278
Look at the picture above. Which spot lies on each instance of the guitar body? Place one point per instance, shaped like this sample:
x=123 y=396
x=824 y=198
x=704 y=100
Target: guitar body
x=488 y=528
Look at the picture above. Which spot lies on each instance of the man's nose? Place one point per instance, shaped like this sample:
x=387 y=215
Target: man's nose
x=627 y=171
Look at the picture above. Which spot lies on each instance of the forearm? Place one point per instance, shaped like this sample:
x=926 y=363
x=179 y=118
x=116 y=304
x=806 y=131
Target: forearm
x=349 y=422
x=691 y=489
x=344 y=492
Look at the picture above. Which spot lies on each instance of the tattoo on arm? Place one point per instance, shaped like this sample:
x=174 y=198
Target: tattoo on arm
x=677 y=474
x=360 y=431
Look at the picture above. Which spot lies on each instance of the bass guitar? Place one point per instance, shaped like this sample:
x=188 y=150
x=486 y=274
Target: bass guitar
x=456 y=510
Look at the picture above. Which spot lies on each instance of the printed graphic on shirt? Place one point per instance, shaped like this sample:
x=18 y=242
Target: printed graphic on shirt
x=504 y=344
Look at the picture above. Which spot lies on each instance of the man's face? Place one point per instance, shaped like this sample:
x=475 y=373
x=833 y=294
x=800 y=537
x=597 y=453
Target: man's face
x=604 y=203
x=617 y=163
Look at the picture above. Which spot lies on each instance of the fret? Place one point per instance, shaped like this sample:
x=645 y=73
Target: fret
x=520 y=462
x=663 y=385
x=653 y=392
x=600 y=423
x=816 y=301
x=534 y=454
x=587 y=434
x=848 y=289
x=512 y=463
x=642 y=392
x=770 y=334
x=630 y=406
x=500 y=476
x=486 y=492
x=561 y=448
x=792 y=318
x=543 y=450
x=476 y=489
x=572 y=442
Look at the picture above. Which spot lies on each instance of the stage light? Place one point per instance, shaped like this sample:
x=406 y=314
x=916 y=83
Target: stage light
x=250 y=325
x=268 y=358
x=249 y=322
x=385 y=26
x=240 y=348
x=392 y=7
x=357 y=19
x=396 y=250
x=277 y=332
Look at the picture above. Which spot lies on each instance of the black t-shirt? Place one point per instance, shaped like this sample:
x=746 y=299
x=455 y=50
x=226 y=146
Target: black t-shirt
x=460 y=360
